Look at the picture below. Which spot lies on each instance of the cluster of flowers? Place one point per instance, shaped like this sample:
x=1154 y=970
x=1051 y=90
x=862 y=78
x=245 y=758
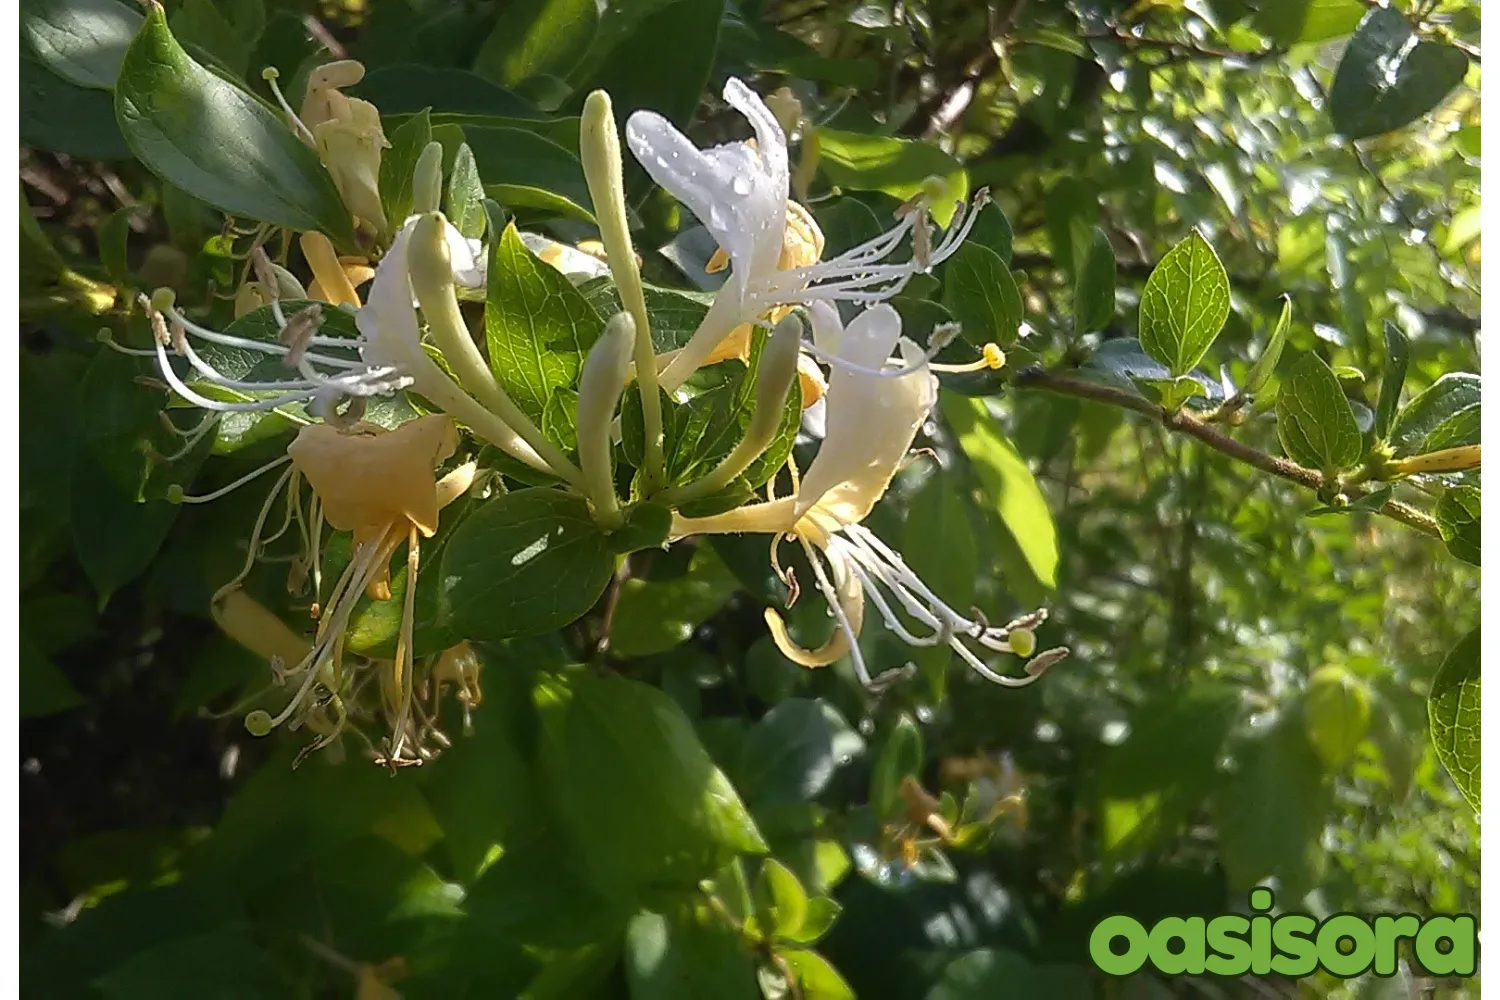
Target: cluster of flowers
x=874 y=389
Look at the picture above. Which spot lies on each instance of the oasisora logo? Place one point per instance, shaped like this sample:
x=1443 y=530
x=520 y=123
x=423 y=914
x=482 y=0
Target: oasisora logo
x=1292 y=944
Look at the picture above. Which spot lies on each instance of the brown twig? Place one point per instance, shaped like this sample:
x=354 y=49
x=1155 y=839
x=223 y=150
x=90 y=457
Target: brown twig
x=1183 y=422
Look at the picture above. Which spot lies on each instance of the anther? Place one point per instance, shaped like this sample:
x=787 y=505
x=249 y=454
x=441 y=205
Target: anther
x=298 y=333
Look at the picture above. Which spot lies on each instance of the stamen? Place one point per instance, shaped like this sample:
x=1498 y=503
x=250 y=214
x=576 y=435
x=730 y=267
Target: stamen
x=271 y=74
x=993 y=360
x=176 y=495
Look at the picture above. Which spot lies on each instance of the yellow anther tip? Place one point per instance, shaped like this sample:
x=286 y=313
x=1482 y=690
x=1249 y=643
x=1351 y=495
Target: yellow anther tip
x=270 y=73
x=258 y=723
x=1022 y=642
x=993 y=356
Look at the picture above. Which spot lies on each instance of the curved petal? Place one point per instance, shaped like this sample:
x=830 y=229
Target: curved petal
x=869 y=425
x=738 y=190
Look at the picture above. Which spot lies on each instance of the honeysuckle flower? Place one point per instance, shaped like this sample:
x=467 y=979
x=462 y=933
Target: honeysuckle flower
x=347 y=134
x=578 y=264
x=871 y=420
x=740 y=191
x=333 y=376
x=380 y=485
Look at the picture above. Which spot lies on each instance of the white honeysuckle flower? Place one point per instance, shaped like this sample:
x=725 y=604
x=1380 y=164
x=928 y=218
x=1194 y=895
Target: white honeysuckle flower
x=740 y=192
x=323 y=371
x=578 y=264
x=871 y=418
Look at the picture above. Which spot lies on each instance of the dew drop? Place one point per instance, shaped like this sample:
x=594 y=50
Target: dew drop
x=741 y=185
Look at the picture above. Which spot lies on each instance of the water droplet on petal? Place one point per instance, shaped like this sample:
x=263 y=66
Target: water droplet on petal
x=741 y=185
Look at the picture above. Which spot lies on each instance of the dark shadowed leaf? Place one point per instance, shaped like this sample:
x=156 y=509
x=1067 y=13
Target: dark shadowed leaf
x=1094 y=290
x=1388 y=77
x=1397 y=356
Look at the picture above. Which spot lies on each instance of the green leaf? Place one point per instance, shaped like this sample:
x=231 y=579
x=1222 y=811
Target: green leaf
x=1453 y=715
x=992 y=972
x=646 y=526
x=1313 y=417
x=635 y=75
x=218 y=143
x=686 y=956
x=938 y=542
x=817 y=921
x=465 y=197
x=897 y=167
x=817 y=979
x=1094 y=290
x=980 y=292
x=199 y=23
x=1151 y=784
x=222 y=963
x=538 y=325
x=1387 y=77
x=1008 y=483
x=899 y=758
x=792 y=751
x=1184 y=304
x=408 y=89
x=780 y=898
x=524 y=563
x=1265 y=365
x=1293 y=22
x=65 y=118
x=45 y=690
x=536 y=38
x=634 y=787
x=655 y=616
x=398 y=167
x=1276 y=763
x=1468 y=141
x=1457 y=513
x=1336 y=710
x=1444 y=415
x=82 y=41
x=521 y=169
x=1171 y=393
x=674 y=314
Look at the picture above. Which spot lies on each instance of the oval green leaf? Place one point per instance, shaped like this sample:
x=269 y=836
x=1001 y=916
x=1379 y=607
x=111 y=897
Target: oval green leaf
x=218 y=143
x=1313 y=418
x=524 y=563
x=1388 y=78
x=1184 y=304
x=1453 y=715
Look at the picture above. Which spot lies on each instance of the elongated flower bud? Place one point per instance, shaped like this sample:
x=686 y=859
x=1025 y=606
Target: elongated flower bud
x=603 y=168
x=427 y=180
x=605 y=372
x=431 y=270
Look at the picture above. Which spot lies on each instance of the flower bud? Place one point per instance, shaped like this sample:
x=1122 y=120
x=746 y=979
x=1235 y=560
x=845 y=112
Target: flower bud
x=427 y=180
x=330 y=282
x=605 y=371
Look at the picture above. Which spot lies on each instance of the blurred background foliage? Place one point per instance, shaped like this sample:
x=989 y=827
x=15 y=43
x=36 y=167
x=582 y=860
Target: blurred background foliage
x=1247 y=699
